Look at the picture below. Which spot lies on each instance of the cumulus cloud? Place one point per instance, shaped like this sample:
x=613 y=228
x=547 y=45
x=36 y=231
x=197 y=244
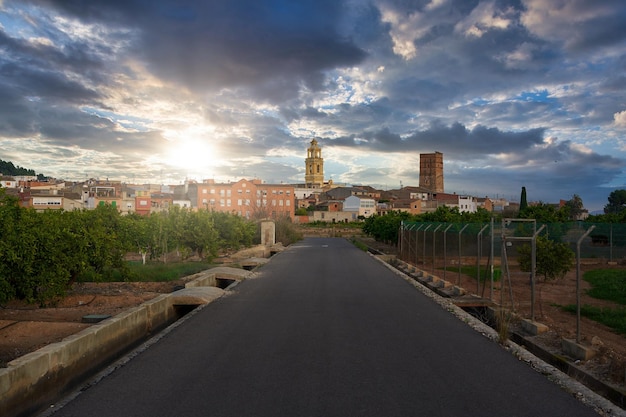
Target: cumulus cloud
x=271 y=47
x=620 y=118
x=579 y=24
x=483 y=18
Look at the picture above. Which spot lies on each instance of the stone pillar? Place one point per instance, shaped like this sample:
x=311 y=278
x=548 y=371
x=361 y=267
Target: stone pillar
x=268 y=233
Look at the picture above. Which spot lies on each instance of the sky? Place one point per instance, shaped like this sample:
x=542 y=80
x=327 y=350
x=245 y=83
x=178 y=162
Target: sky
x=513 y=92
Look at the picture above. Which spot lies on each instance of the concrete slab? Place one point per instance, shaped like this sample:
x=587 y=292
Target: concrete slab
x=458 y=290
x=195 y=295
x=443 y=284
x=253 y=262
x=532 y=327
x=577 y=351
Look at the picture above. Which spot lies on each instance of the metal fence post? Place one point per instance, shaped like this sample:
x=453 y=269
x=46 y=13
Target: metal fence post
x=491 y=260
x=445 y=250
x=416 y=240
x=479 y=254
x=578 y=282
x=533 y=270
x=460 y=231
x=434 y=232
x=424 y=246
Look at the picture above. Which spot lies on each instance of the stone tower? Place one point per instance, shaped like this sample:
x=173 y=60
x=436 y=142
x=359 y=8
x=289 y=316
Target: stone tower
x=314 y=176
x=431 y=171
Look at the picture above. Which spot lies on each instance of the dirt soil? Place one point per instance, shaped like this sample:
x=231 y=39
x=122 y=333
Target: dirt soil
x=25 y=328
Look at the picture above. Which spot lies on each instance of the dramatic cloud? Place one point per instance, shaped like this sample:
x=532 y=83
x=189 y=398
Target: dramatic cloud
x=514 y=93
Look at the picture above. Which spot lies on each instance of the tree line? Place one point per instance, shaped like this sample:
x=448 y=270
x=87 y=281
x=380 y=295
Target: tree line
x=43 y=253
x=8 y=168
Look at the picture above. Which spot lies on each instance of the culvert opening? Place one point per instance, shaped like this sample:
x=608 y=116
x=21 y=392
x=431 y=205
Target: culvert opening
x=224 y=283
x=181 y=310
x=483 y=314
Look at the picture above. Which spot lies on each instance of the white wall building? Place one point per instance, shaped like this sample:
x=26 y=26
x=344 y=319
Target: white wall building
x=365 y=207
x=467 y=204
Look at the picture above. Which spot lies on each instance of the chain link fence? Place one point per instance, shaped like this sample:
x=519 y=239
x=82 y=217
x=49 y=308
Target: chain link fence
x=485 y=258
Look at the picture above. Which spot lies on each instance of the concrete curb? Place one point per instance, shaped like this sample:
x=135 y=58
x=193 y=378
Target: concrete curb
x=36 y=379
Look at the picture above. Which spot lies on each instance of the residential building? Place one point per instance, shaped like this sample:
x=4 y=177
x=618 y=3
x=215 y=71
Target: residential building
x=247 y=198
x=364 y=207
x=485 y=203
x=8 y=182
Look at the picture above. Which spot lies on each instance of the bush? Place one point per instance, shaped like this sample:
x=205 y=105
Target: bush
x=554 y=259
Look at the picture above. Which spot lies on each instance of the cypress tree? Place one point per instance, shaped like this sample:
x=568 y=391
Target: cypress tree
x=523 y=203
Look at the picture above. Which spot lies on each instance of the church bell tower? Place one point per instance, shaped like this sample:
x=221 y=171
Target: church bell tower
x=314 y=175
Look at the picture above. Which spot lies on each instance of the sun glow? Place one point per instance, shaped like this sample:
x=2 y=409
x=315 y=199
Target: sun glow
x=197 y=156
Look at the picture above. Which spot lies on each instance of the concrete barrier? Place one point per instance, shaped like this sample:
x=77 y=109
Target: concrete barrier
x=30 y=383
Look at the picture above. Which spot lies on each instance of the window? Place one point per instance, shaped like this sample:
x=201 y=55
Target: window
x=222 y=193
x=221 y=202
x=228 y=193
x=288 y=203
x=239 y=202
x=212 y=191
x=204 y=191
x=228 y=202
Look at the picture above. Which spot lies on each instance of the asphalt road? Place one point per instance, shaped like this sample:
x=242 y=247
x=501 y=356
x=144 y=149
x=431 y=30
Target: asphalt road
x=325 y=330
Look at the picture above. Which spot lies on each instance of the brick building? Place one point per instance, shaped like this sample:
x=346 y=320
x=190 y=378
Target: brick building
x=248 y=198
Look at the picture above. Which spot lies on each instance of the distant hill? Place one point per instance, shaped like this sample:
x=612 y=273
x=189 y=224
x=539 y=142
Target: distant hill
x=7 y=168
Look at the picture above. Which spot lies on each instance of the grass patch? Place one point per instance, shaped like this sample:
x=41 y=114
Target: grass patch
x=615 y=318
x=359 y=244
x=607 y=284
x=470 y=271
x=151 y=272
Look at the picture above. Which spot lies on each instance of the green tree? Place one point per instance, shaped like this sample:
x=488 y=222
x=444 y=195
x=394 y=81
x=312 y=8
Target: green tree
x=554 y=259
x=575 y=206
x=137 y=233
x=199 y=234
x=523 y=201
x=617 y=202
x=385 y=228
x=545 y=213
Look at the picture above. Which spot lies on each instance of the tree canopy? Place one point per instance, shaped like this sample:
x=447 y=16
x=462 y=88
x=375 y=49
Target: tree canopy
x=553 y=261
x=43 y=253
x=617 y=202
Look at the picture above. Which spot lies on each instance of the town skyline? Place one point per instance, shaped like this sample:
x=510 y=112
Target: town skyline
x=513 y=93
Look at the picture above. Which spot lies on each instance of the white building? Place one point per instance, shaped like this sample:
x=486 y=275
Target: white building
x=365 y=207
x=467 y=204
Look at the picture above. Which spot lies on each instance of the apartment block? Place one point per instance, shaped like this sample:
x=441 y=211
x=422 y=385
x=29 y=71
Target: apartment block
x=247 y=198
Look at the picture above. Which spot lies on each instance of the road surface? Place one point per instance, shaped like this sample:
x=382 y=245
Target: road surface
x=324 y=330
